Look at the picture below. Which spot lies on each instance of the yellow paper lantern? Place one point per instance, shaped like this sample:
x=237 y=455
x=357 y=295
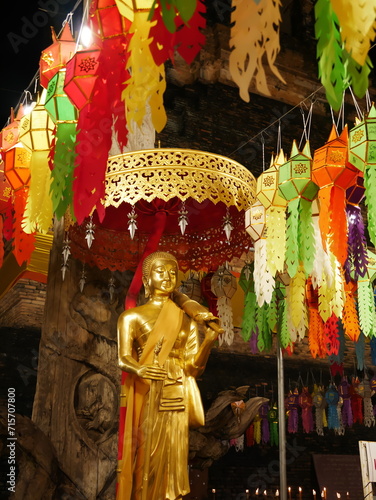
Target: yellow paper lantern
x=255 y=219
x=36 y=128
x=127 y=8
x=267 y=184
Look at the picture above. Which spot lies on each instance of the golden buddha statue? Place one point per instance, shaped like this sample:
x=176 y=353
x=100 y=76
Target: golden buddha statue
x=159 y=348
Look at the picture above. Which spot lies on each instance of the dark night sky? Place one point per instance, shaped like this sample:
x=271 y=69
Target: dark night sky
x=24 y=33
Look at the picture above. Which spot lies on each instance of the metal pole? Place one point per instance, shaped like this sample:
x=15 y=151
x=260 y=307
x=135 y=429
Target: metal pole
x=281 y=426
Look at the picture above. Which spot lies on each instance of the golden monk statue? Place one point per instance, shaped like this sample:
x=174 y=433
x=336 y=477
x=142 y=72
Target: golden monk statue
x=159 y=348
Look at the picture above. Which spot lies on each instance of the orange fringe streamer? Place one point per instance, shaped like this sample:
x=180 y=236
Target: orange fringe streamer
x=338 y=224
x=23 y=242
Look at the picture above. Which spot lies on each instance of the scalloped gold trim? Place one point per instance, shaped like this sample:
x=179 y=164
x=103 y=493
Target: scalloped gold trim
x=182 y=173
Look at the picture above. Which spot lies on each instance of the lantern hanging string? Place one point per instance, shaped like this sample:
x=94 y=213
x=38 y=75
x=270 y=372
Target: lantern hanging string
x=85 y=16
x=357 y=107
x=333 y=119
x=341 y=113
x=306 y=124
x=276 y=121
x=279 y=138
x=368 y=101
x=263 y=151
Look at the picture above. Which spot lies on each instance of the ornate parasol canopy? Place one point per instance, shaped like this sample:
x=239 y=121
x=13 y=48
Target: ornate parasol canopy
x=154 y=190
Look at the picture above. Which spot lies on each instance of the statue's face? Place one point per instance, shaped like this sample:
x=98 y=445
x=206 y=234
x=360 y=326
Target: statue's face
x=163 y=276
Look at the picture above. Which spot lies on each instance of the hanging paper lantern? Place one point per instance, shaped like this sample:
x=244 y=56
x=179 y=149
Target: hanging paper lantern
x=64 y=114
x=17 y=166
x=57 y=102
x=332 y=398
x=306 y=403
x=255 y=223
x=255 y=220
x=9 y=134
x=36 y=128
x=362 y=141
x=344 y=391
x=17 y=171
x=81 y=75
x=273 y=423
x=127 y=8
x=292 y=405
x=223 y=286
x=5 y=209
x=334 y=174
x=319 y=402
x=192 y=287
x=275 y=205
x=55 y=56
x=297 y=187
x=363 y=155
x=36 y=134
x=106 y=20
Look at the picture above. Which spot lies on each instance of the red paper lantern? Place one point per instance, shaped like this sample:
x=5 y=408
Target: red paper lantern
x=81 y=75
x=106 y=20
x=17 y=166
x=55 y=56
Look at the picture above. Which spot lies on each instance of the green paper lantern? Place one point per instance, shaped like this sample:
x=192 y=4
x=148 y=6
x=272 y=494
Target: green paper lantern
x=362 y=141
x=58 y=105
x=295 y=176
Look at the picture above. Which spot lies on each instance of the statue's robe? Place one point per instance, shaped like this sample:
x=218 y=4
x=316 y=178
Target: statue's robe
x=177 y=405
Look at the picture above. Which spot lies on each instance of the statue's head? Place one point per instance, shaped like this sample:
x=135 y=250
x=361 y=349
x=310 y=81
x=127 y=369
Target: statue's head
x=159 y=272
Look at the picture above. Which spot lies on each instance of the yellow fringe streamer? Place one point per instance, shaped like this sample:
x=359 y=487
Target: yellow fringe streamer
x=147 y=82
x=38 y=212
x=254 y=33
x=276 y=240
x=357 y=22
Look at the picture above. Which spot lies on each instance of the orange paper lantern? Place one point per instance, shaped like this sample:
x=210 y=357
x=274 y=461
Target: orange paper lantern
x=9 y=134
x=17 y=166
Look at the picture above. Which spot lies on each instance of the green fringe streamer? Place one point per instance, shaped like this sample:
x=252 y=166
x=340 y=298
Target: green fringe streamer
x=292 y=228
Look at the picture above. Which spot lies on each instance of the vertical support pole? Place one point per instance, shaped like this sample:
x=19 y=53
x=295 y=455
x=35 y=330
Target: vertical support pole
x=281 y=426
